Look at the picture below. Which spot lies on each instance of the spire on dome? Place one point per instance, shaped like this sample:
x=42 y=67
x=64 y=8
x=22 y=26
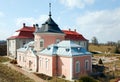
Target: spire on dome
x=50 y=9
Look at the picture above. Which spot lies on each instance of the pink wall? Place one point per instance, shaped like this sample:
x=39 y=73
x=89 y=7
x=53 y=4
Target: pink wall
x=27 y=61
x=64 y=66
x=55 y=65
x=31 y=63
x=48 y=39
x=42 y=68
x=83 y=71
x=20 y=59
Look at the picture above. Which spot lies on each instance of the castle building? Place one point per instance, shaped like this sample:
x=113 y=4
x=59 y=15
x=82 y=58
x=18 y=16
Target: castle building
x=50 y=50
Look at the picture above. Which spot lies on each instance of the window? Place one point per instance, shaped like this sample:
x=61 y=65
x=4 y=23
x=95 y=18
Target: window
x=9 y=43
x=30 y=64
x=86 y=64
x=67 y=50
x=48 y=48
x=77 y=67
x=41 y=43
x=57 y=40
x=46 y=64
x=40 y=62
x=24 y=42
x=19 y=58
x=23 y=59
x=84 y=43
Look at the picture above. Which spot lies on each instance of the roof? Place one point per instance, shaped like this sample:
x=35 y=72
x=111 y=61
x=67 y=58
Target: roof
x=73 y=35
x=65 y=48
x=24 y=32
x=27 y=28
x=28 y=47
x=49 y=26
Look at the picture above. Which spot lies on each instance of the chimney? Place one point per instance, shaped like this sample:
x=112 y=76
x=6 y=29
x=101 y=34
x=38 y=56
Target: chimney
x=37 y=25
x=36 y=28
x=23 y=24
x=75 y=30
x=69 y=29
x=34 y=25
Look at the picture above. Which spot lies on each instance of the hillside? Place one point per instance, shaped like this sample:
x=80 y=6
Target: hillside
x=101 y=48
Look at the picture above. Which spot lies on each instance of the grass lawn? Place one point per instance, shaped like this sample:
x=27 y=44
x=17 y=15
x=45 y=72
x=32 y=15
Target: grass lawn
x=9 y=75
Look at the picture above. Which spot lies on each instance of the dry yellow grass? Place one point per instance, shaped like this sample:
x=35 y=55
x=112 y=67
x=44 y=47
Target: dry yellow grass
x=102 y=48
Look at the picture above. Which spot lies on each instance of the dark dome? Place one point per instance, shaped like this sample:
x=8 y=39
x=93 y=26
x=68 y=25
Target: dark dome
x=50 y=26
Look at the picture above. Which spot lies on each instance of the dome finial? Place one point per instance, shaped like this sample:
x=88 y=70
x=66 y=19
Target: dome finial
x=50 y=9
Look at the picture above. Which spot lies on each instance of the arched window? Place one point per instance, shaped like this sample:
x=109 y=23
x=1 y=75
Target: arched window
x=57 y=40
x=86 y=64
x=41 y=43
x=77 y=65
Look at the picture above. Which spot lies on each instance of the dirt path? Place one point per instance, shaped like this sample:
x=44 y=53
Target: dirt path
x=30 y=75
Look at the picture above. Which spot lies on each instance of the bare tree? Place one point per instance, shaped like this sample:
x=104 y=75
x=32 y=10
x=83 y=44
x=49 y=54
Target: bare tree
x=95 y=41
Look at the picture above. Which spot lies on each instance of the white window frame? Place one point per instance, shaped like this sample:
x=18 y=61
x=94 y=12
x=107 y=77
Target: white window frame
x=77 y=66
x=87 y=64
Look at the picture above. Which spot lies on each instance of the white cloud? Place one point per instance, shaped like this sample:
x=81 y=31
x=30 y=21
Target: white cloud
x=30 y=20
x=76 y=3
x=103 y=24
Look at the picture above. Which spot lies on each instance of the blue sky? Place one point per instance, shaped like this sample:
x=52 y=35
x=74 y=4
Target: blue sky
x=99 y=18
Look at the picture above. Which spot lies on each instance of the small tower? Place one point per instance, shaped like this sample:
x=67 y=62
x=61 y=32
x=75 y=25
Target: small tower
x=49 y=33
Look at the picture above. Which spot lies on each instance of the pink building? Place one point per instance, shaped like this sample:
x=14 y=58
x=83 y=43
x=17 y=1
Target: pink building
x=55 y=52
x=62 y=59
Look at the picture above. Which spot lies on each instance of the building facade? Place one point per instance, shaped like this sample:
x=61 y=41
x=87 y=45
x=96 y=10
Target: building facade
x=62 y=59
x=18 y=39
x=56 y=52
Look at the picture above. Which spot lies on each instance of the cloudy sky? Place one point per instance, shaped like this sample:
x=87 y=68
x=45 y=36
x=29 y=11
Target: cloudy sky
x=99 y=18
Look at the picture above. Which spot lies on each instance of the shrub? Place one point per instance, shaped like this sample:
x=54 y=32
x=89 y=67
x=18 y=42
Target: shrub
x=87 y=79
x=63 y=76
x=100 y=61
x=13 y=61
x=43 y=76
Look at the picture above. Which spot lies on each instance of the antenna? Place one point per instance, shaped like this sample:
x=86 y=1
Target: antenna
x=50 y=9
